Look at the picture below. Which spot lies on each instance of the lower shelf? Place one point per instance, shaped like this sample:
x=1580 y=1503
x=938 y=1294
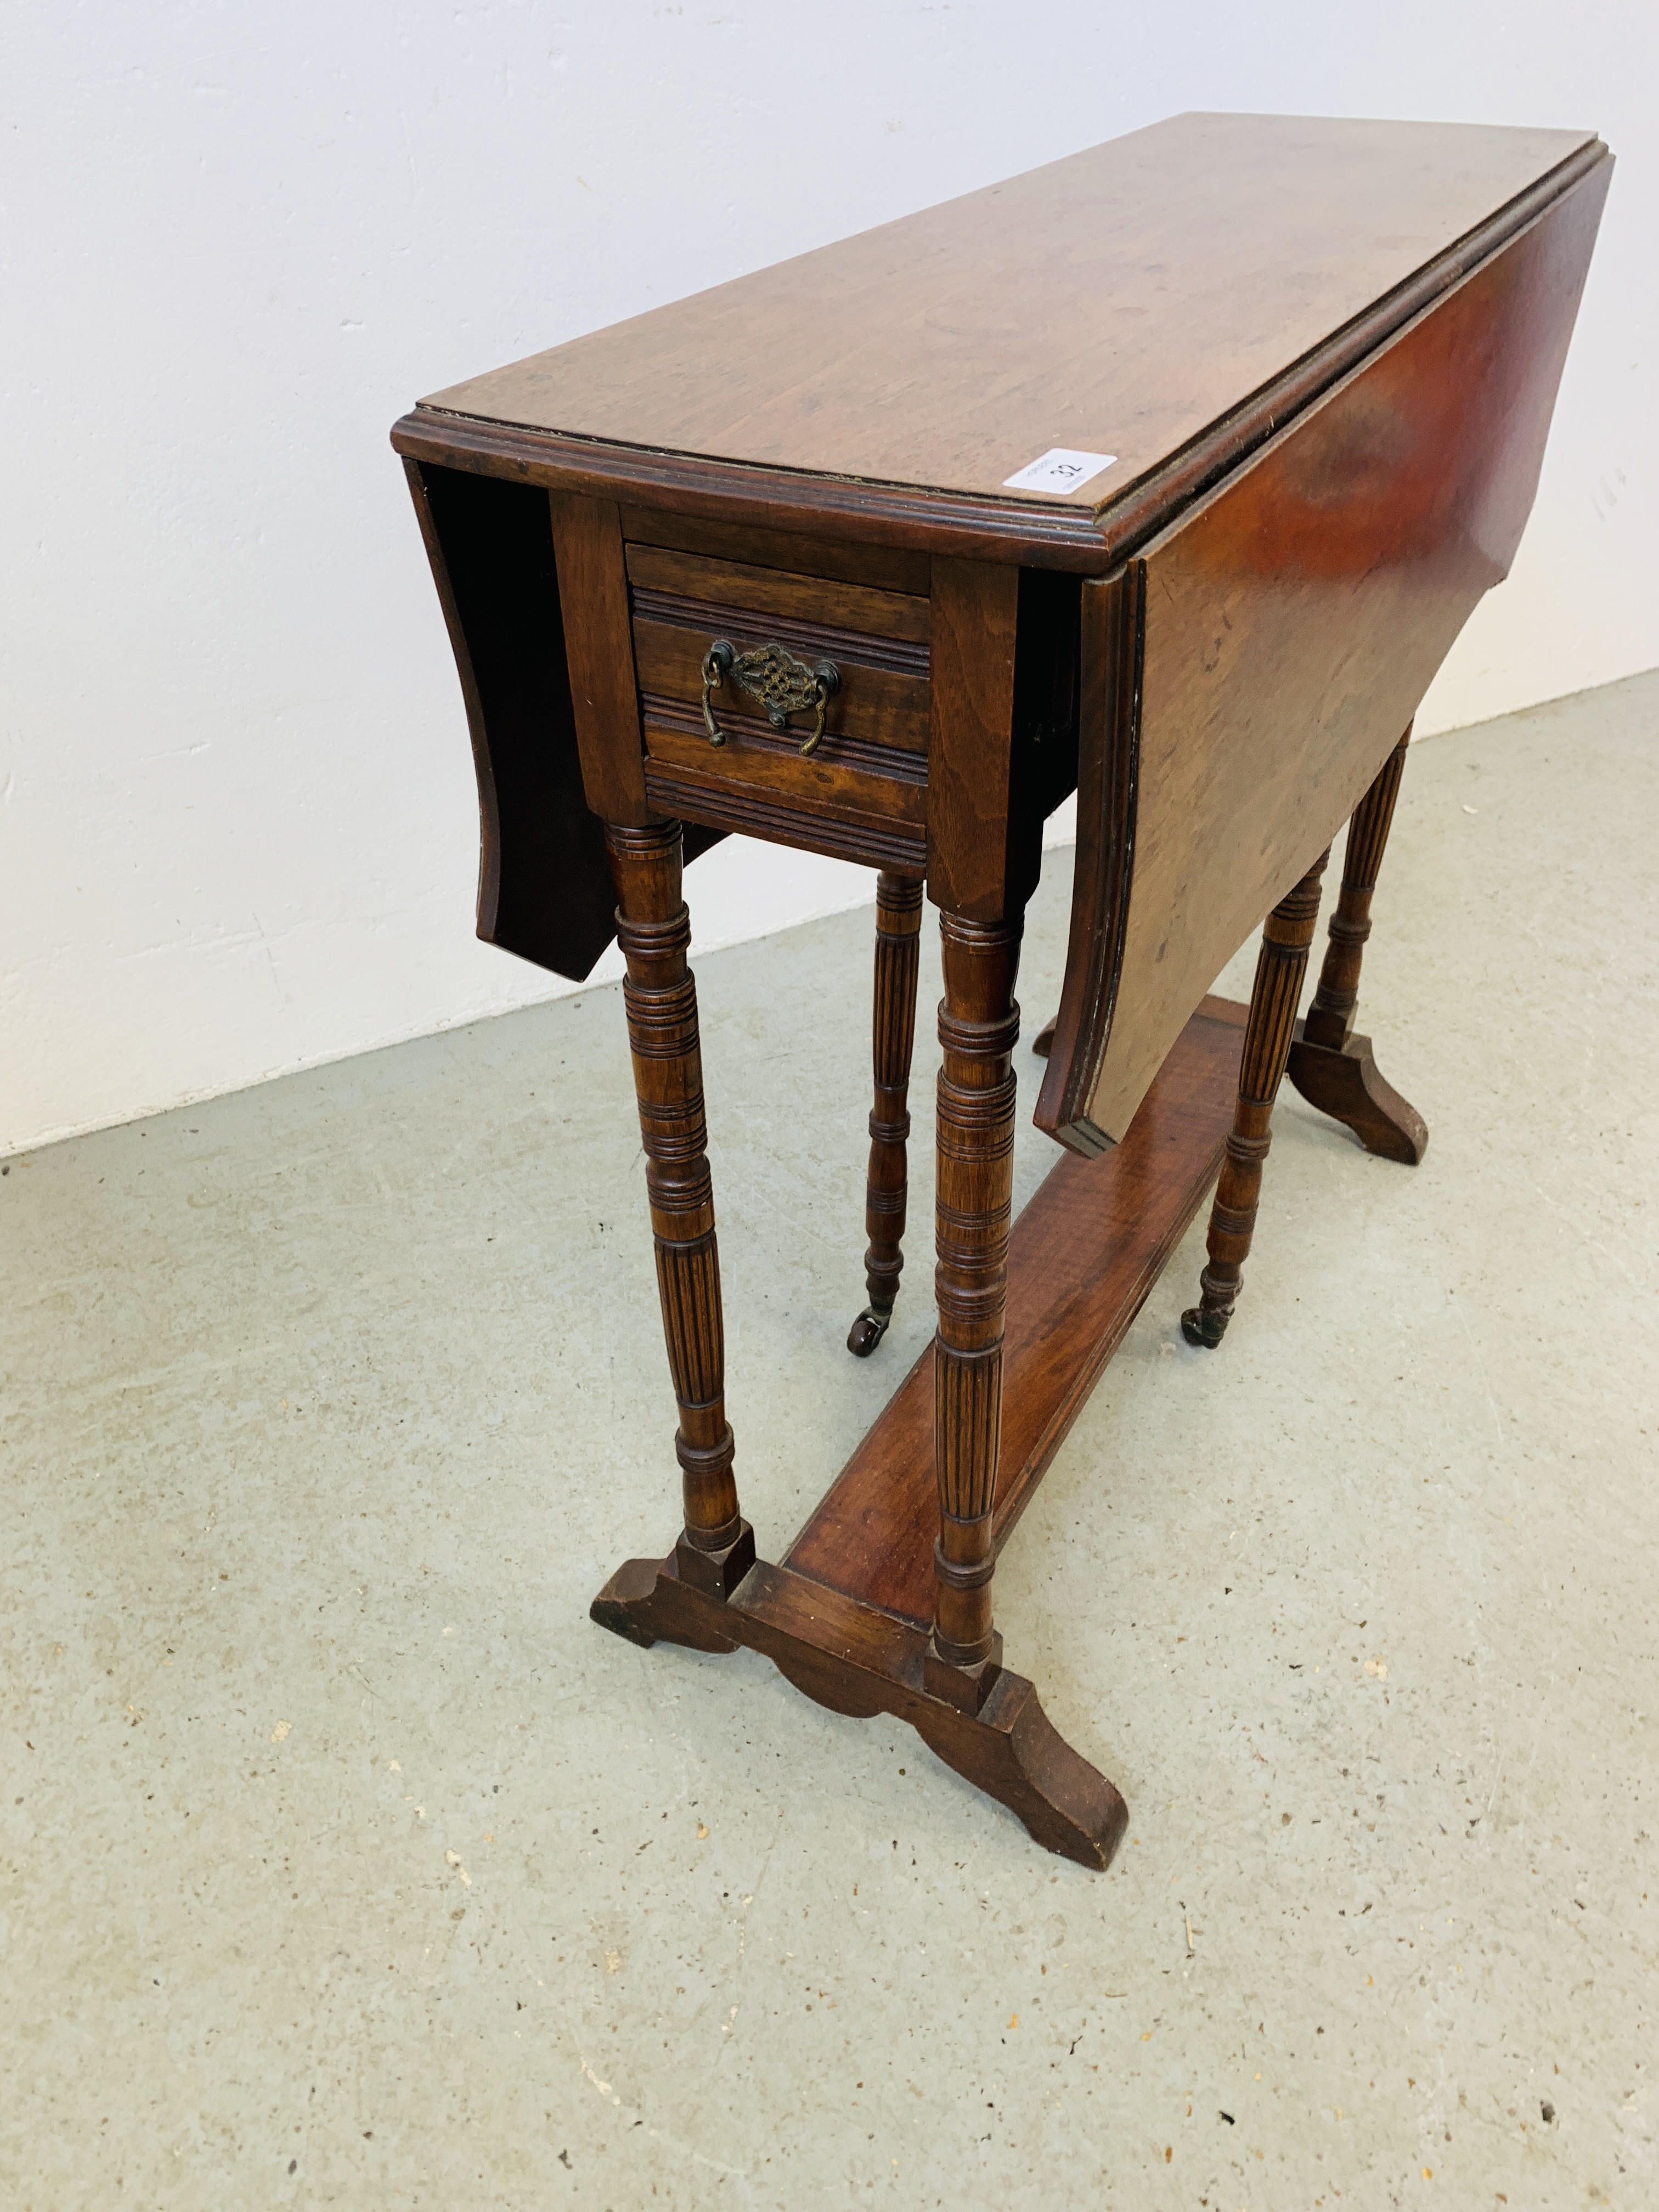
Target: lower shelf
x=1082 y=1260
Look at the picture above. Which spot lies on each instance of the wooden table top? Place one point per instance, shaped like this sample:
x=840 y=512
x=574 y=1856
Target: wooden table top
x=1119 y=301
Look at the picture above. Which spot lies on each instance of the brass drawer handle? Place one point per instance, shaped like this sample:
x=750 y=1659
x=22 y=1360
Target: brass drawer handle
x=783 y=685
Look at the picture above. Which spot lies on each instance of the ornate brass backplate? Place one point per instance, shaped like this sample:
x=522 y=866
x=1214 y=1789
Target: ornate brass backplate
x=783 y=684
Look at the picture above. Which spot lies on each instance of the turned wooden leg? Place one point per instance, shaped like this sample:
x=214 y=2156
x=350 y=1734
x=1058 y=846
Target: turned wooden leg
x=1334 y=1070
x=1279 y=972
x=661 y=994
x=898 y=958
x=978 y=1029
x=1330 y=1017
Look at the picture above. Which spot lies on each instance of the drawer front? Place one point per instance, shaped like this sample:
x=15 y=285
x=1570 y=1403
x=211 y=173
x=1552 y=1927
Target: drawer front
x=861 y=791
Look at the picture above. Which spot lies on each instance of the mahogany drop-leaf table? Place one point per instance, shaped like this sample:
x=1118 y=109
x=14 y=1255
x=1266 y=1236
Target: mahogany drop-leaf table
x=1166 y=474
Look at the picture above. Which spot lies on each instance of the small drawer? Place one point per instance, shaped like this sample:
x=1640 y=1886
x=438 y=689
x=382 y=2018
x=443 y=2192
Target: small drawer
x=861 y=789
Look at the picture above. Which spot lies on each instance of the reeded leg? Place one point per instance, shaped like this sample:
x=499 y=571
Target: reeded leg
x=1279 y=977
x=978 y=1028
x=1334 y=1070
x=661 y=994
x=898 y=956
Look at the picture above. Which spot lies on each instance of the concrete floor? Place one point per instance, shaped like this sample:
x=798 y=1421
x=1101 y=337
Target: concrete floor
x=344 y=1863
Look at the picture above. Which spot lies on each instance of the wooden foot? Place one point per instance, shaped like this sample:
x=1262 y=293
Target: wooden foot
x=1343 y=1081
x=859 y=1662
x=893 y=1030
x=1043 y=1043
x=628 y=1605
x=1286 y=937
x=631 y=1605
x=1332 y=1069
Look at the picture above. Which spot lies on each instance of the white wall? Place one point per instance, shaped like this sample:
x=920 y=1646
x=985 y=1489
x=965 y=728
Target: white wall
x=236 y=813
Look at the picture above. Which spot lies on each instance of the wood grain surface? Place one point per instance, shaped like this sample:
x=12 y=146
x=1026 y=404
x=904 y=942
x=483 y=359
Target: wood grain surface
x=842 y=774
x=1117 y=301
x=599 y=648
x=881 y=568
x=1083 y=1256
x=1290 y=624
x=803 y=598
x=970 y=752
x=874 y=820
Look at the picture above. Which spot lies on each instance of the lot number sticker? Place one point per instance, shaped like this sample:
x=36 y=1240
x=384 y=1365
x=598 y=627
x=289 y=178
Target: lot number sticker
x=1059 y=471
